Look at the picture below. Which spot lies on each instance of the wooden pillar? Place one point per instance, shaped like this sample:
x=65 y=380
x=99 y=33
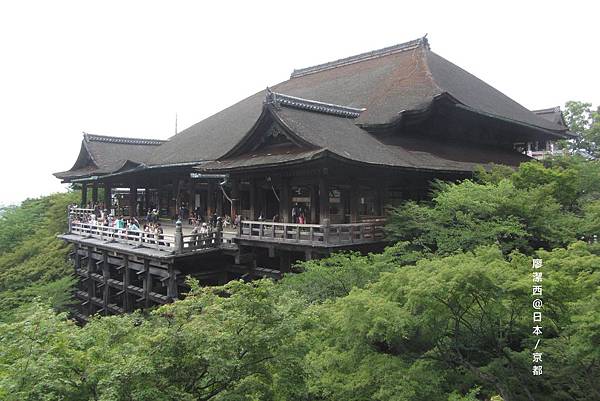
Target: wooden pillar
x=172 y=292
x=177 y=189
x=107 y=197
x=127 y=307
x=252 y=200
x=235 y=198
x=285 y=261
x=261 y=202
x=219 y=206
x=192 y=197
x=284 y=201
x=147 y=285
x=83 y=194
x=105 y=278
x=94 y=193
x=210 y=199
x=381 y=199
x=90 y=283
x=77 y=260
x=323 y=199
x=133 y=201
x=354 y=201
x=314 y=200
x=146 y=200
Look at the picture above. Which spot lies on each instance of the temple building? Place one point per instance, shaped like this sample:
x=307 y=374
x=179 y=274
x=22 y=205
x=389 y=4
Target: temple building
x=337 y=144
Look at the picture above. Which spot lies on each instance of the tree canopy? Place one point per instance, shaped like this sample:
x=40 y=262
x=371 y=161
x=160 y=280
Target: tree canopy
x=443 y=314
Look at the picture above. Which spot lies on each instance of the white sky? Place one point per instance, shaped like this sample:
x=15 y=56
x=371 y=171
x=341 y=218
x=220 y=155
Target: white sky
x=125 y=68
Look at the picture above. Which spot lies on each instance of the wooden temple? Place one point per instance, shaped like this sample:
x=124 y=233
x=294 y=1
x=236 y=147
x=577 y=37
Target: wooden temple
x=337 y=143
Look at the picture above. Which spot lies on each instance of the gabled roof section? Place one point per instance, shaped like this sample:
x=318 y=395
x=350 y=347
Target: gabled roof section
x=331 y=135
x=101 y=154
x=553 y=114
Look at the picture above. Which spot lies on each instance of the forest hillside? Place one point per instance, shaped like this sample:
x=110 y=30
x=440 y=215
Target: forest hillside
x=443 y=314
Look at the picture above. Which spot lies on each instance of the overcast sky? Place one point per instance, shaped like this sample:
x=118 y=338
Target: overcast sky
x=125 y=68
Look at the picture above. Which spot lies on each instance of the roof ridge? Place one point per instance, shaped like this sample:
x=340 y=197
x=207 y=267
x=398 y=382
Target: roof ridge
x=401 y=47
x=548 y=110
x=280 y=99
x=122 y=140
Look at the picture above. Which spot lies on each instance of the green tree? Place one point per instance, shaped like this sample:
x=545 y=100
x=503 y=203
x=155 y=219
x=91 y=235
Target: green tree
x=584 y=121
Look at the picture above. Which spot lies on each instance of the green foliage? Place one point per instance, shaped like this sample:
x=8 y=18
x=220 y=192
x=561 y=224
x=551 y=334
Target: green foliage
x=337 y=275
x=442 y=315
x=535 y=206
x=420 y=332
x=219 y=343
x=33 y=262
x=584 y=121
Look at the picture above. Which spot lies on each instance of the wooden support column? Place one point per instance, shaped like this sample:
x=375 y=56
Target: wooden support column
x=107 y=197
x=83 y=194
x=354 y=202
x=210 y=199
x=94 y=193
x=105 y=278
x=90 y=282
x=314 y=200
x=172 y=291
x=381 y=199
x=146 y=200
x=323 y=199
x=235 y=198
x=192 y=197
x=219 y=206
x=285 y=208
x=147 y=286
x=127 y=307
x=285 y=263
x=77 y=260
x=177 y=192
x=132 y=201
x=252 y=200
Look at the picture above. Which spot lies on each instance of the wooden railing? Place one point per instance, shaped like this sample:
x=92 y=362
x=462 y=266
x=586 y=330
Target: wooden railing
x=177 y=243
x=80 y=224
x=368 y=231
x=313 y=234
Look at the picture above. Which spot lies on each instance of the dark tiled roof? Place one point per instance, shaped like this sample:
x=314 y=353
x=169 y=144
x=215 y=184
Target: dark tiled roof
x=371 y=89
x=262 y=160
x=102 y=154
x=385 y=83
x=342 y=138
